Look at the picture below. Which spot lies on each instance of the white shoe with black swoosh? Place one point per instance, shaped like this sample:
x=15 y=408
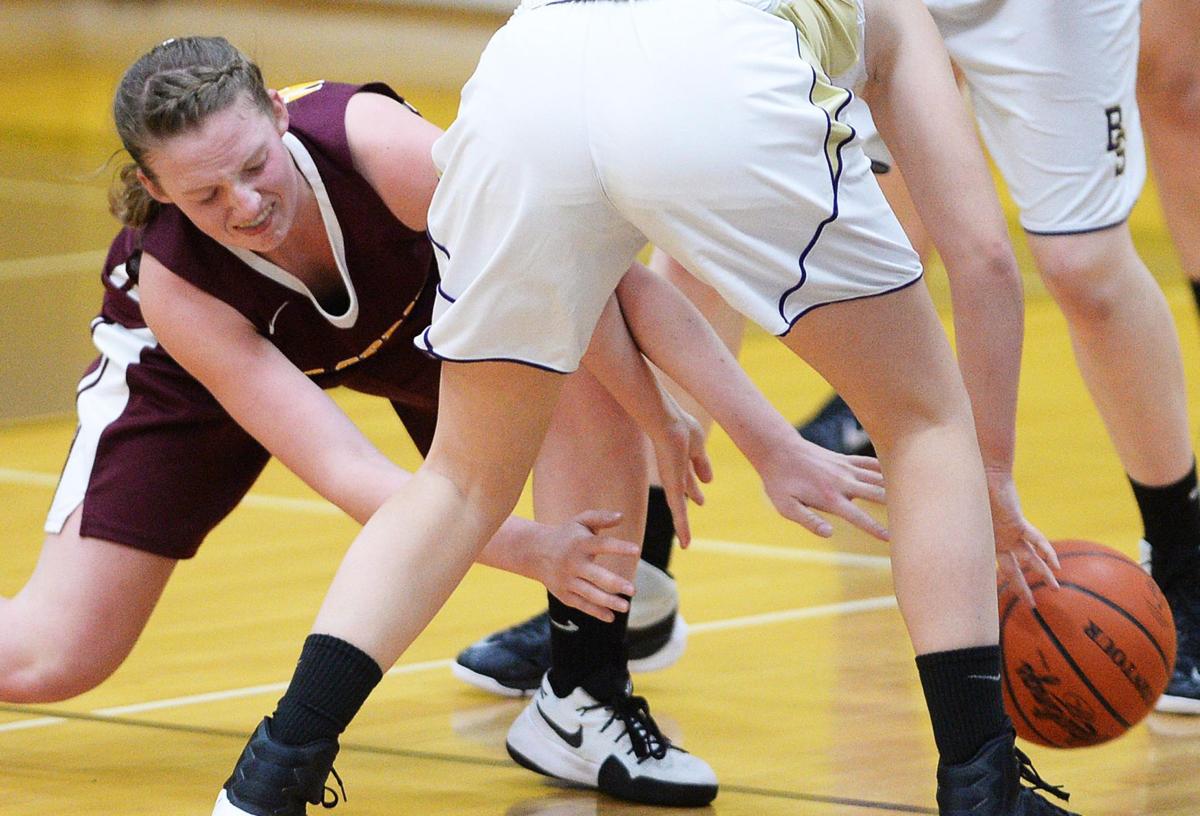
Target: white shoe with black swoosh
x=613 y=746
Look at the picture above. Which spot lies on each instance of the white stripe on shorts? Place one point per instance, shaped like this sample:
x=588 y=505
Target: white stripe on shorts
x=102 y=397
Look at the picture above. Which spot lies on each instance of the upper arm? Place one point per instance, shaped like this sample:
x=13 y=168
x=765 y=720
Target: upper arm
x=391 y=147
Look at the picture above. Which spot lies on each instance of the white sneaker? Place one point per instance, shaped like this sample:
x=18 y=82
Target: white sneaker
x=613 y=746
x=657 y=634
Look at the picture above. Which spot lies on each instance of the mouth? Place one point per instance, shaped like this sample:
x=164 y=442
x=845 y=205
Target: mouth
x=259 y=223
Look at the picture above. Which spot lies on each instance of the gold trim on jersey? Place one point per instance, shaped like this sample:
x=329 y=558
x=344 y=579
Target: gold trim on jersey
x=293 y=92
x=376 y=345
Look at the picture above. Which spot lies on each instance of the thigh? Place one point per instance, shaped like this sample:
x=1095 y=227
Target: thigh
x=1053 y=87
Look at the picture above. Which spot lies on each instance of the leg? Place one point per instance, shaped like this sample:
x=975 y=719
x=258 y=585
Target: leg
x=912 y=401
x=1168 y=92
x=593 y=457
x=420 y=543
x=1125 y=343
x=77 y=618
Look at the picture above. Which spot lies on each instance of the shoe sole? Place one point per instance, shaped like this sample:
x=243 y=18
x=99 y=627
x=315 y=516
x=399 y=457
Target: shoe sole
x=668 y=655
x=1168 y=704
x=223 y=807
x=610 y=777
x=491 y=684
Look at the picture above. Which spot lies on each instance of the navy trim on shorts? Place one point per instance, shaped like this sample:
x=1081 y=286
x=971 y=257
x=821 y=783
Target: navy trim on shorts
x=899 y=288
x=429 y=352
x=835 y=177
x=1086 y=231
x=436 y=245
x=444 y=294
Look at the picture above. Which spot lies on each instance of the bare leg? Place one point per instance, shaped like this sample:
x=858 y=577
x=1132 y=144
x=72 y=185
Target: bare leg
x=592 y=458
x=1126 y=346
x=890 y=360
x=77 y=618
x=1169 y=97
x=414 y=551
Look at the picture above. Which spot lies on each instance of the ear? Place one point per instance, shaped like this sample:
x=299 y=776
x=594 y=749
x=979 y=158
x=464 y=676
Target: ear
x=279 y=111
x=152 y=188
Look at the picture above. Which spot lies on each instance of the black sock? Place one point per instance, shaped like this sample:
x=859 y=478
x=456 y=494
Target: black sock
x=332 y=680
x=660 y=530
x=962 y=691
x=587 y=652
x=1196 y=292
x=1171 y=518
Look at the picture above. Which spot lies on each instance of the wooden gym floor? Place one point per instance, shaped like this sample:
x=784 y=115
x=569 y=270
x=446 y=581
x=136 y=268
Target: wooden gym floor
x=798 y=683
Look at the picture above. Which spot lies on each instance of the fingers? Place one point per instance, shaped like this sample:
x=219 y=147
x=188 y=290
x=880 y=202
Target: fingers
x=605 y=585
x=1034 y=560
x=677 y=503
x=1044 y=548
x=866 y=463
x=871 y=492
x=808 y=519
x=867 y=476
x=861 y=519
x=1012 y=568
x=597 y=520
x=702 y=465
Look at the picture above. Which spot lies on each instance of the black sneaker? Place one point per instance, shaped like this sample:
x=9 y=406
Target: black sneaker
x=1183 y=691
x=989 y=784
x=511 y=662
x=273 y=779
x=836 y=428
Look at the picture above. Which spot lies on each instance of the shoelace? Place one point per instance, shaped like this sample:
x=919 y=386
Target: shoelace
x=1030 y=775
x=329 y=798
x=646 y=741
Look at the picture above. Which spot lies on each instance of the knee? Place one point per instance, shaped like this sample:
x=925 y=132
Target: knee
x=1086 y=286
x=48 y=674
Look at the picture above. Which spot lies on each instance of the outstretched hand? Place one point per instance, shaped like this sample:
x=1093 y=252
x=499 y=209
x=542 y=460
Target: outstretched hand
x=1020 y=546
x=682 y=464
x=801 y=478
x=569 y=568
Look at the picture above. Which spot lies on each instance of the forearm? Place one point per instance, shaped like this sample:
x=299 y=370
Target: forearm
x=682 y=343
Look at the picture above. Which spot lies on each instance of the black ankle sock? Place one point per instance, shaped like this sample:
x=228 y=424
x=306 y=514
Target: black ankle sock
x=660 y=530
x=587 y=652
x=962 y=690
x=332 y=680
x=1171 y=518
x=1196 y=292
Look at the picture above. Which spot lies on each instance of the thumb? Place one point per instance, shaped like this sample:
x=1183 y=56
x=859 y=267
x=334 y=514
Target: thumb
x=597 y=520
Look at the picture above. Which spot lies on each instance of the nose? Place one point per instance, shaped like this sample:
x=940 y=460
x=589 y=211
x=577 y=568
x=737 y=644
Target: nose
x=246 y=202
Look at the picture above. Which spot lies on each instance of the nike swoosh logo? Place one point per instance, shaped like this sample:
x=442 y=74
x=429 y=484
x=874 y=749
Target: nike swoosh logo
x=271 y=325
x=993 y=677
x=573 y=739
x=569 y=626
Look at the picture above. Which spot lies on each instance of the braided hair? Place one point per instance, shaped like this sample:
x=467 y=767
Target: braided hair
x=170 y=90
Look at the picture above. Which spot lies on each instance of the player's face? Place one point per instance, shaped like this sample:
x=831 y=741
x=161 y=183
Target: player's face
x=232 y=176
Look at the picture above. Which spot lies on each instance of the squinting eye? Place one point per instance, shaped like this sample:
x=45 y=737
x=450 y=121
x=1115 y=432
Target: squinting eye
x=256 y=168
x=210 y=198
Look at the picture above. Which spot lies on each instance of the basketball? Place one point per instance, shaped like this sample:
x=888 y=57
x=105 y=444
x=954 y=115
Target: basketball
x=1089 y=662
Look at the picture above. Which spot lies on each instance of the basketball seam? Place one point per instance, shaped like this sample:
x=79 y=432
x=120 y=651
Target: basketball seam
x=1008 y=682
x=1128 y=616
x=1066 y=655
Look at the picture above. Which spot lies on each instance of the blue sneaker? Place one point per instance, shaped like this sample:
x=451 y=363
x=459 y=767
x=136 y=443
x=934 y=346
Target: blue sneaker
x=836 y=428
x=1183 y=691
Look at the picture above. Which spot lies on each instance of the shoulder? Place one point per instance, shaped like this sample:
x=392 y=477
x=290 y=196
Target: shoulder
x=390 y=146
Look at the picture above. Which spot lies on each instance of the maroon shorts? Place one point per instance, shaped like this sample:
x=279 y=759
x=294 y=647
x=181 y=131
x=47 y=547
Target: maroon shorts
x=156 y=462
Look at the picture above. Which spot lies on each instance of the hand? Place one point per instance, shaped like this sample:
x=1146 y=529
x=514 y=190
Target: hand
x=682 y=464
x=568 y=567
x=1019 y=545
x=801 y=477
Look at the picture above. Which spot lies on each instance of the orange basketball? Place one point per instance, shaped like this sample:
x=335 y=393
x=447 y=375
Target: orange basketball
x=1091 y=659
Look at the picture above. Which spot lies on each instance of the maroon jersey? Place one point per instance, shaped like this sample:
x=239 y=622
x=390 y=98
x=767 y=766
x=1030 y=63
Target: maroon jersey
x=390 y=267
